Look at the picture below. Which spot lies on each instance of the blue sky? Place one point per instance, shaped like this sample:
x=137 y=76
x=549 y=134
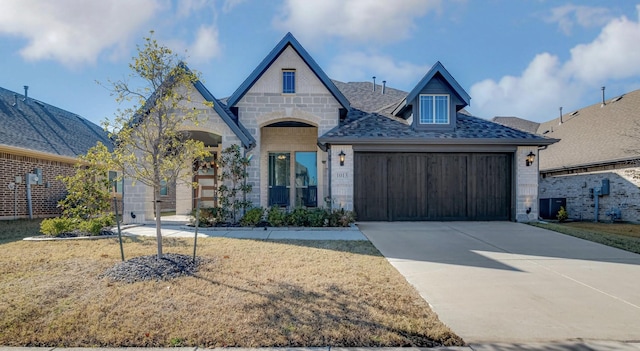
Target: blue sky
x=515 y=58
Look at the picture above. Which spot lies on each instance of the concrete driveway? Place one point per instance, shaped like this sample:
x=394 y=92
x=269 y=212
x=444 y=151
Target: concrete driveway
x=510 y=282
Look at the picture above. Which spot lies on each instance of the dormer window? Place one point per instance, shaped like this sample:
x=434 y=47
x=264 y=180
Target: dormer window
x=288 y=81
x=434 y=109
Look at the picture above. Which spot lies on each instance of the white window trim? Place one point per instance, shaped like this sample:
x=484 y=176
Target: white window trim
x=434 y=110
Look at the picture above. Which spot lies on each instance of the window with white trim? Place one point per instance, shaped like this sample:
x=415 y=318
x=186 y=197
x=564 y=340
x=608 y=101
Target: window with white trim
x=434 y=109
x=288 y=81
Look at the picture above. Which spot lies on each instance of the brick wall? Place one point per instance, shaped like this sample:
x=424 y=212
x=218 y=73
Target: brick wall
x=624 y=193
x=44 y=198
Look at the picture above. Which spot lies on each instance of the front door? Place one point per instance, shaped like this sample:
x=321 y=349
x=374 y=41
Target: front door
x=206 y=177
x=279 y=178
x=306 y=179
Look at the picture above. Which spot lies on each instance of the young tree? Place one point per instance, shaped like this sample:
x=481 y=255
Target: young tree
x=88 y=189
x=151 y=146
x=233 y=188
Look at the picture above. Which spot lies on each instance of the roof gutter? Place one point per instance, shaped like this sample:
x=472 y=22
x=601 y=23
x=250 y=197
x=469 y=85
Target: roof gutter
x=37 y=154
x=436 y=141
x=591 y=164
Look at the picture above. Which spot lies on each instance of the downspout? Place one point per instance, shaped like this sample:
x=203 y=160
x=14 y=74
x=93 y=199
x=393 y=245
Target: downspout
x=29 y=206
x=329 y=179
x=596 y=194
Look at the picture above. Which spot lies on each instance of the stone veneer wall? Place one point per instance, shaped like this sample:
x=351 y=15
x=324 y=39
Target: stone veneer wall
x=526 y=179
x=265 y=104
x=44 y=200
x=342 y=178
x=624 y=193
x=289 y=139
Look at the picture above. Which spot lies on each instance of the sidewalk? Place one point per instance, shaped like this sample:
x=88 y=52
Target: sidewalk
x=176 y=227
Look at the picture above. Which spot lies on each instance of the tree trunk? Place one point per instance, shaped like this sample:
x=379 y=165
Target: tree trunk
x=156 y=197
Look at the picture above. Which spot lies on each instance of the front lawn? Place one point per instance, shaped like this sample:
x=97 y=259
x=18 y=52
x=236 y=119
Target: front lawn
x=247 y=293
x=624 y=236
x=18 y=229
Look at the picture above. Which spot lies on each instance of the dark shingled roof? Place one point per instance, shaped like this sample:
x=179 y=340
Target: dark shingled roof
x=38 y=126
x=364 y=126
x=362 y=97
x=518 y=123
x=594 y=134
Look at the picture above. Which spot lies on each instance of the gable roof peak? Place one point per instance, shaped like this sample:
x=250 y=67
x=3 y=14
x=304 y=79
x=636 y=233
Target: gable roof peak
x=438 y=67
x=287 y=40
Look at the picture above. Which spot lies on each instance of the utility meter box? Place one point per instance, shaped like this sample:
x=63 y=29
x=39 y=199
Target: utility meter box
x=604 y=190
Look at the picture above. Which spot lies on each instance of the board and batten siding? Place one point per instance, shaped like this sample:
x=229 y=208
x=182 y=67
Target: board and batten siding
x=433 y=186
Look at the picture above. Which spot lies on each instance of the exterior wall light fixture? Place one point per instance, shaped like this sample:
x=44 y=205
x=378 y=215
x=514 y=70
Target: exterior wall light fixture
x=530 y=158
x=341 y=155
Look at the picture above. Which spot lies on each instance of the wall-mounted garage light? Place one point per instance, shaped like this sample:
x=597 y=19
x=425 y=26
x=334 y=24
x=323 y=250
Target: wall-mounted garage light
x=530 y=158
x=342 y=155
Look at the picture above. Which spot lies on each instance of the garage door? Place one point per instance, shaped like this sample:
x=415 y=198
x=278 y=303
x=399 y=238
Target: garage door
x=432 y=186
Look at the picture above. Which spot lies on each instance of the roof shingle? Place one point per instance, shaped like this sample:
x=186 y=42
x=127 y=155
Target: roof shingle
x=34 y=125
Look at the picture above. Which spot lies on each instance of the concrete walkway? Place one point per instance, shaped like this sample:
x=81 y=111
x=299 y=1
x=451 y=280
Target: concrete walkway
x=509 y=282
x=176 y=227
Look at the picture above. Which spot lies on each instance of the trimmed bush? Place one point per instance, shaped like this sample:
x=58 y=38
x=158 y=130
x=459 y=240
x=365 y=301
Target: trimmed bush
x=562 y=214
x=299 y=217
x=318 y=217
x=57 y=226
x=208 y=216
x=252 y=217
x=94 y=226
x=276 y=217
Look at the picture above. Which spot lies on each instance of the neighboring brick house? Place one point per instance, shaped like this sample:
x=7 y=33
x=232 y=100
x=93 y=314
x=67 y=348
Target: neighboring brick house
x=43 y=141
x=385 y=153
x=599 y=145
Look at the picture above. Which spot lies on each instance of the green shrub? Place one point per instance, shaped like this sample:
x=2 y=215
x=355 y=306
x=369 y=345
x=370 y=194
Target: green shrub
x=207 y=216
x=276 y=217
x=252 y=217
x=318 y=217
x=562 y=214
x=57 y=226
x=341 y=218
x=298 y=217
x=93 y=226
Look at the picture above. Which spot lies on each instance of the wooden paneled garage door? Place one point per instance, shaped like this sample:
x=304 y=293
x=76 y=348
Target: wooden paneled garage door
x=432 y=186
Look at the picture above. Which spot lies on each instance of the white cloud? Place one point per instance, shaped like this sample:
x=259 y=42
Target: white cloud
x=379 y=21
x=569 y=15
x=184 y=8
x=359 y=66
x=206 y=45
x=73 y=31
x=547 y=83
x=228 y=5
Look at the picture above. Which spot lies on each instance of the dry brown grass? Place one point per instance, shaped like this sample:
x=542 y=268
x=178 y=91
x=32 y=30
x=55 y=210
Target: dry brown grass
x=624 y=229
x=249 y=293
x=625 y=236
x=18 y=229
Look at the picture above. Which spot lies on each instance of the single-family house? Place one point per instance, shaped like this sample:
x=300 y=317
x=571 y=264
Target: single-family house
x=38 y=142
x=593 y=170
x=386 y=154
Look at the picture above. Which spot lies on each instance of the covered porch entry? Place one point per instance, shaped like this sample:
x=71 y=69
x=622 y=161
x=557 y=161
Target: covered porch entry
x=205 y=174
x=291 y=165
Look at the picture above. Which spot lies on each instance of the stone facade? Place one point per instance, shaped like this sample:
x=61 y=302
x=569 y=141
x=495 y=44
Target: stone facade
x=342 y=177
x=624 y=193
x=287 y=139
x=526 y=178
x=265 y=104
